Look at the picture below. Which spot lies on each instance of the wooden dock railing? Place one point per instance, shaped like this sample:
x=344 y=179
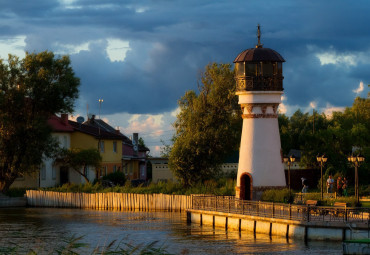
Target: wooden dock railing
x=281 y=211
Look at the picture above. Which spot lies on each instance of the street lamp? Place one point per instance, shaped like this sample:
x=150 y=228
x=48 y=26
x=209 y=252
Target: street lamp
x=322 y=159
x=356 y=161
x=289 y=161
x=100 y=101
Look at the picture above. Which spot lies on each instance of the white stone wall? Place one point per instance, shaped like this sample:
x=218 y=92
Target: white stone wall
x=260 y=146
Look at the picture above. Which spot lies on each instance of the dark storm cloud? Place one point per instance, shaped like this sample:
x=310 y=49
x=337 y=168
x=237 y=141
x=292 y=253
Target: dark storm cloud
x=170 y=41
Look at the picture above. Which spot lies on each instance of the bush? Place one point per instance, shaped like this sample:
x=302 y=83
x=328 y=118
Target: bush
x=277 y=195
x=16 y=192
x=118 y=178
x=221 y=187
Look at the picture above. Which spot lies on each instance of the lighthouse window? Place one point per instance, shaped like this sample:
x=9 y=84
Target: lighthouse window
x=259 y=69
x=280 y=68
x=250 y=69
x=267 y=69
x=239 y=69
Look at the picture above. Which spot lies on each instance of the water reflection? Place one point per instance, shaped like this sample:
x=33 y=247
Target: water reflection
x=44 y=229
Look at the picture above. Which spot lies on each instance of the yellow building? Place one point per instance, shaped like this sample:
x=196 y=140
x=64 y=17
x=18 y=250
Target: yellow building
x=92 y=134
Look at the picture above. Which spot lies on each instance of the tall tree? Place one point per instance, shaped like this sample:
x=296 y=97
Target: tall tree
x=79 y=160
x=31 y=90
x=208 y=126
x=336 y=136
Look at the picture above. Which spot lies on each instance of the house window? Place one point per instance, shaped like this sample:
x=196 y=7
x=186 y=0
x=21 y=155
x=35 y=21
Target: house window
x=53 y=173
x=65 y=141
x=103 y=171
x=114 y=168
x=114 y=146
x=130 y=166
x=43 y=172
x=87 y=172
x=101 y=146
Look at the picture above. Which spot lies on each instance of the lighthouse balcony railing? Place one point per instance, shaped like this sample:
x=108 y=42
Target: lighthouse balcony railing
x=260 y=83
x=306 y=213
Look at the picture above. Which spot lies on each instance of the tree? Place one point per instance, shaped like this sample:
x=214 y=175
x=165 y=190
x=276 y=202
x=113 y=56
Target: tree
x=31 y=90
x=79 y=160
x=208 y=126
x=336 y=137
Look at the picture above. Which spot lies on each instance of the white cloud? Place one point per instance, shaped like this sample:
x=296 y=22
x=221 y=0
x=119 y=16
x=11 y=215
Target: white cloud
x=313 y=104
x=175 y=112
x=332 y=57
x=329 y=109
x=117 y=49
x=70 y=48
x=359 y=89
x=282 y=108
x=145 y=124
x=14 y=45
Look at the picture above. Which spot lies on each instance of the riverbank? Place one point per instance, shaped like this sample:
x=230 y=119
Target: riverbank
x=6 y=201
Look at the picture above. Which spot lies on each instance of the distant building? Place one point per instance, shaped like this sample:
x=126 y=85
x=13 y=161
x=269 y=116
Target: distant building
x=118 y=152
x=162 y=173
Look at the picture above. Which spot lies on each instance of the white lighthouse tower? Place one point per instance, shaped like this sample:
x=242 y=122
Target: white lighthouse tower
x=259 y=81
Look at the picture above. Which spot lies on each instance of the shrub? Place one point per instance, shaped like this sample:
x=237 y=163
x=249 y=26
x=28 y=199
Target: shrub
x=118 y=178
x=221 y=187
x=276 y=195
x=16 y=192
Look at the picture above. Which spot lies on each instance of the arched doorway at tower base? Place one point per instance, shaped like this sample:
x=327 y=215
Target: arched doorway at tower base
x=246 y=187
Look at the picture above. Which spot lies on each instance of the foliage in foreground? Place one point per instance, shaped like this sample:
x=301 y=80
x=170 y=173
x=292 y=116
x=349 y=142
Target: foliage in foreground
x=220 y=187
x=73 y=245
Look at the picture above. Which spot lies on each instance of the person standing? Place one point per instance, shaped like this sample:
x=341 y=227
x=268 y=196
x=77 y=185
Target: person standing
x=305 y=185
x=339 y=186
x=344 y=186
x=329 y=184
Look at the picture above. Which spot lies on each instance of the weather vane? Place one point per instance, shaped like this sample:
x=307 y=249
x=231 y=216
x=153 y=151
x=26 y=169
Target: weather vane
x=259 y=45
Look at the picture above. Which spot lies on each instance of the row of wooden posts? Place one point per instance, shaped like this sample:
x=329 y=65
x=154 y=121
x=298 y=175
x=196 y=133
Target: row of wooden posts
x=109 y=201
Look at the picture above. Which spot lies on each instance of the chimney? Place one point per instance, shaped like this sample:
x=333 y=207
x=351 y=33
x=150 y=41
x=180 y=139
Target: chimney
x=135 y=142
x=64 y=118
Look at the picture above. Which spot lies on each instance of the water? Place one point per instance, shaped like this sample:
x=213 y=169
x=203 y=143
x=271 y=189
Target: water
x=44 y=229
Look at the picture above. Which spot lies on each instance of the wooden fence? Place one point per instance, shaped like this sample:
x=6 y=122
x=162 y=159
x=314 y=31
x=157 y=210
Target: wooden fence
x=109 y=201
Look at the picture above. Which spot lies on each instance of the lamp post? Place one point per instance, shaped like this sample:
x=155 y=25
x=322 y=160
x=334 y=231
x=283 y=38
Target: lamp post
x=100 y=101
x=322 y=159
x=356 y=160
x=289 y=161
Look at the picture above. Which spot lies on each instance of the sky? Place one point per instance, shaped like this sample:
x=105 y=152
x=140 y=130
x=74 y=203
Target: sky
x=141 y=56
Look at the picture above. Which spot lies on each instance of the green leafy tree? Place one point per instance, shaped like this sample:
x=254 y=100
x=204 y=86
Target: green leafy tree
x=80 y=159
x=208 y=126
x=31 y=90
x=336 y=137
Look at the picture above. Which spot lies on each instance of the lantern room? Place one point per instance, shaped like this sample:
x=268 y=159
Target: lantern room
x=259 y=69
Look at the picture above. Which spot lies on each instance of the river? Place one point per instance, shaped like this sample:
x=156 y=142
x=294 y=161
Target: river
x=44 y=229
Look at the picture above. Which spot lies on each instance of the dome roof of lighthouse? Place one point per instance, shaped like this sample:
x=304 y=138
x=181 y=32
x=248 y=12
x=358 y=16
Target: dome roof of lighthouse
x=259 y=54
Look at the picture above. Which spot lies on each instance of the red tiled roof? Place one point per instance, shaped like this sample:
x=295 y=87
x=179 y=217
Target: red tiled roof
x=94 y=131
x=59 y=125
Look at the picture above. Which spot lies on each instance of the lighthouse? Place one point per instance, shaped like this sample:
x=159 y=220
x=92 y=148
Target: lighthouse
x=259 y=86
